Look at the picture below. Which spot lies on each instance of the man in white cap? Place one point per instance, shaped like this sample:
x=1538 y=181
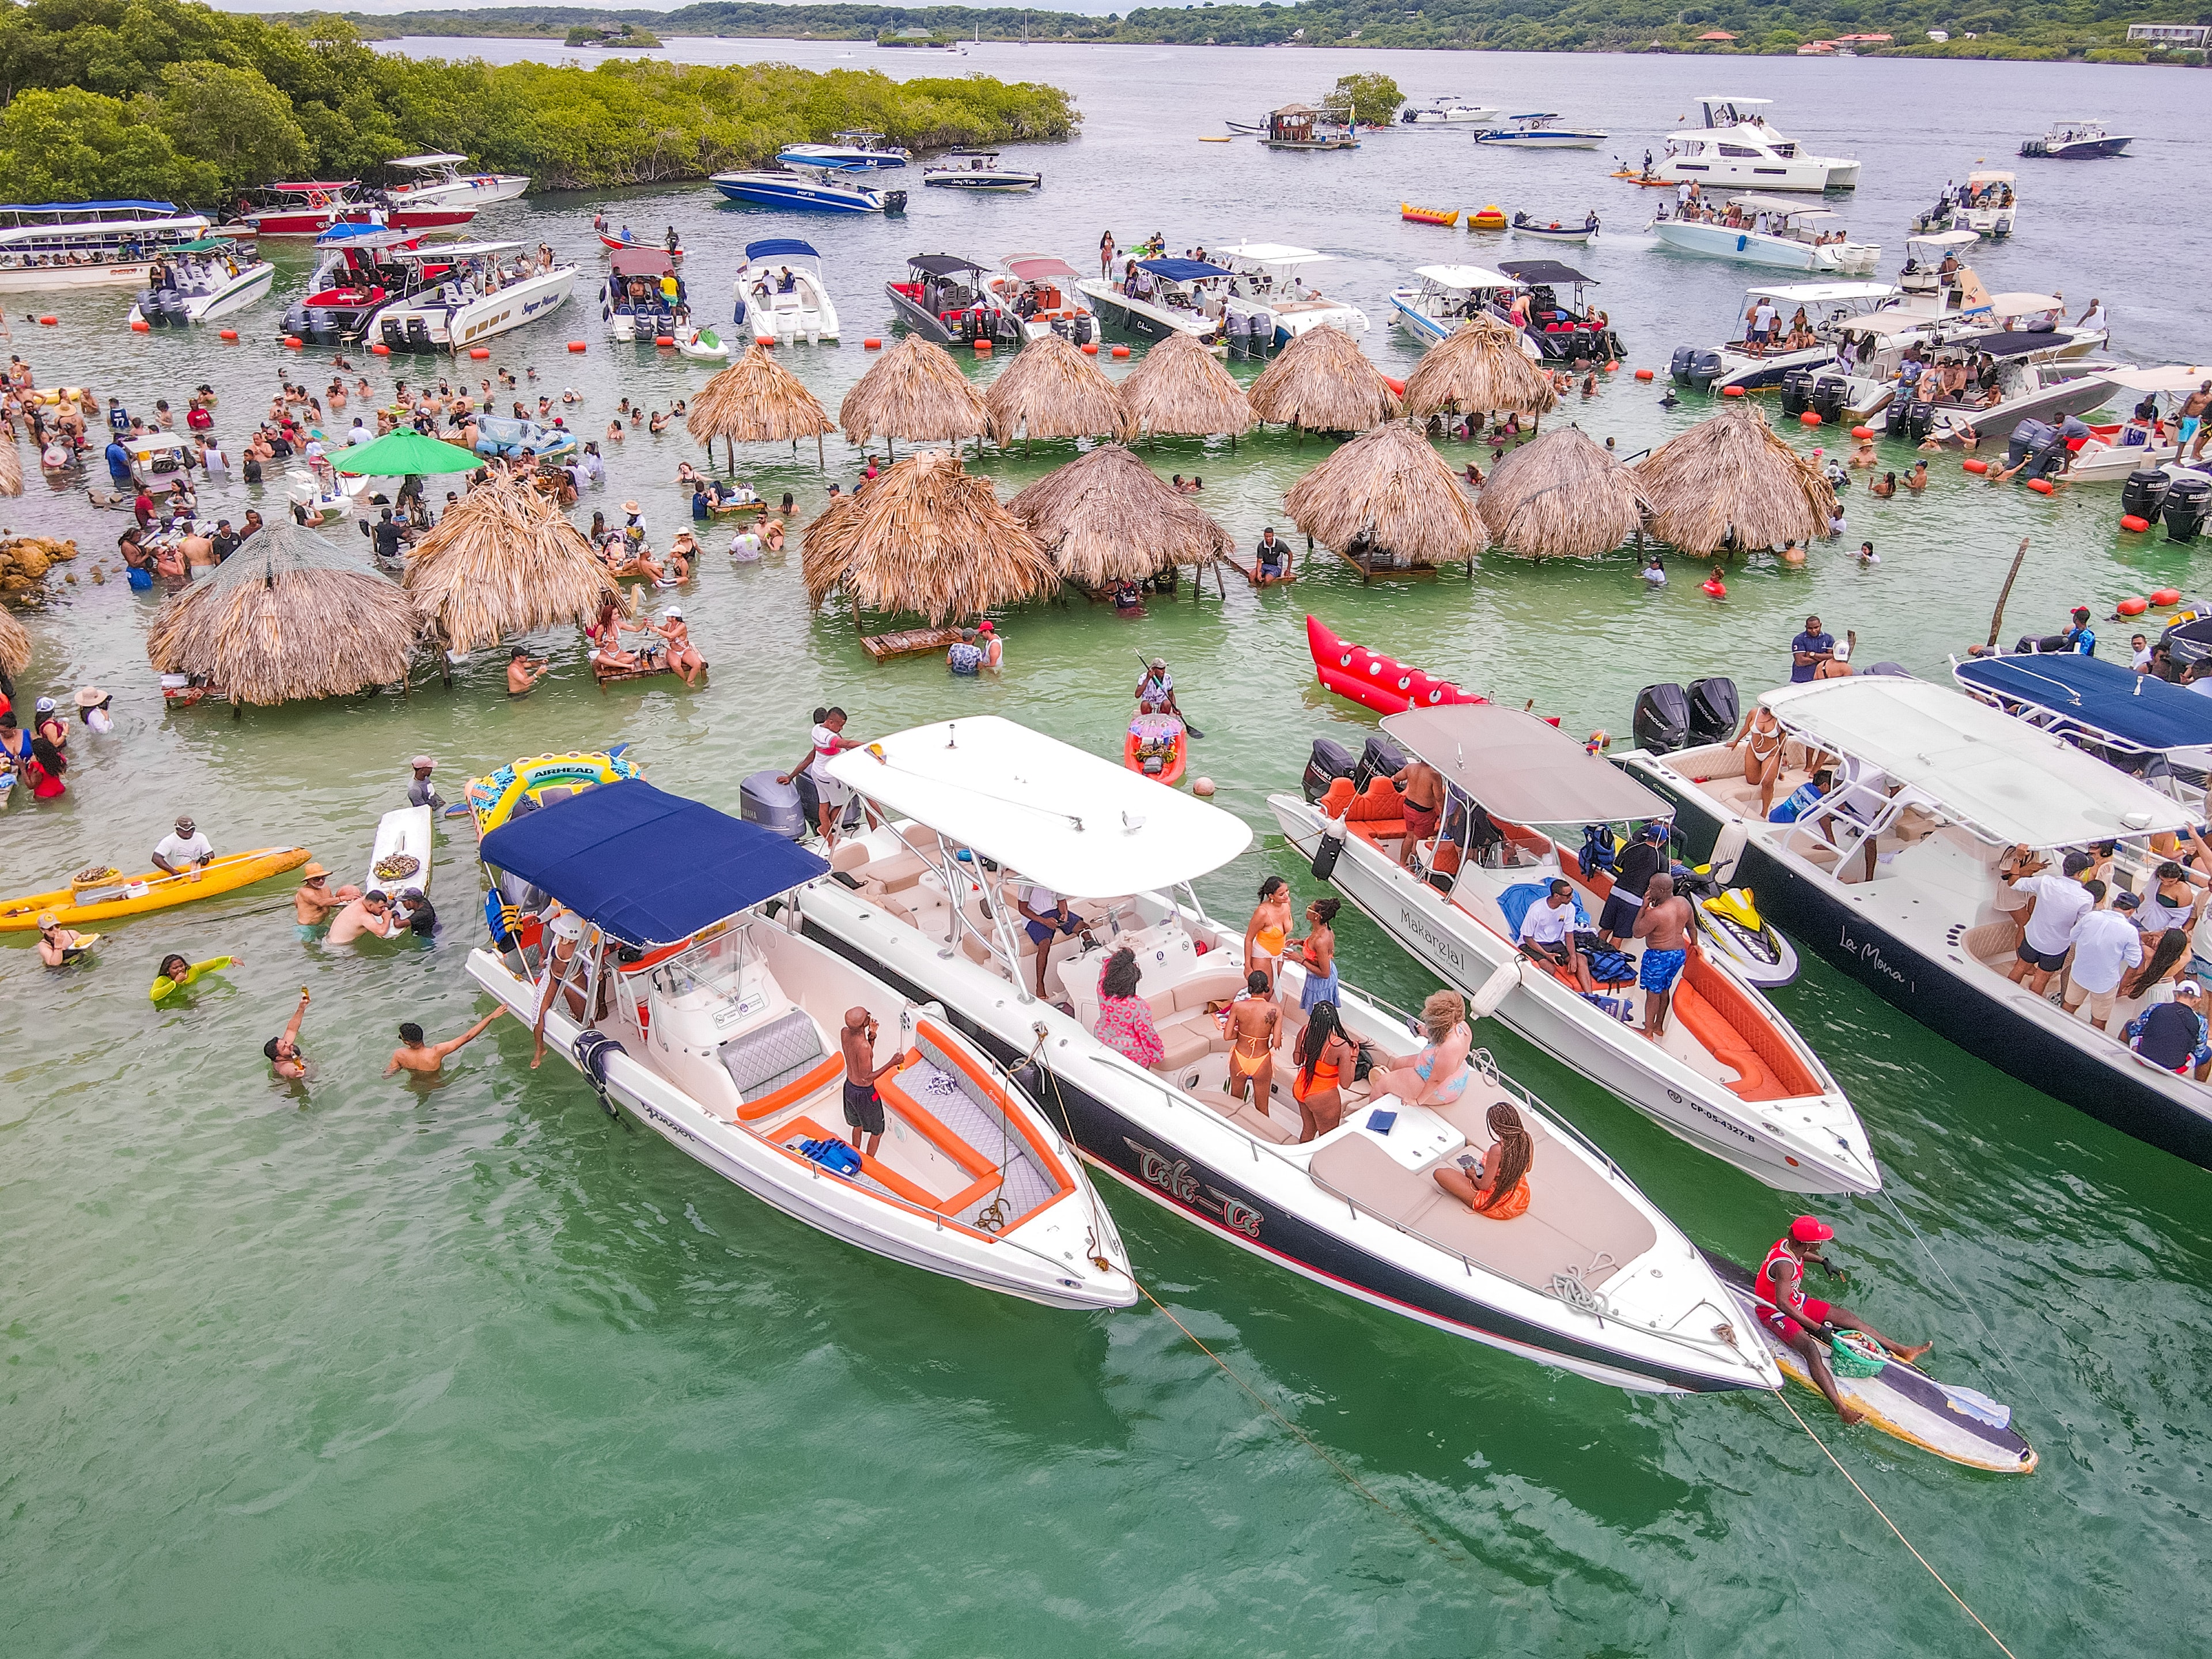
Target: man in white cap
x=422 y=792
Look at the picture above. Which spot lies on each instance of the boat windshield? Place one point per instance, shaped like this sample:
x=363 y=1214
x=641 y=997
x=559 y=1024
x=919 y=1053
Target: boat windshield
x=722 y=964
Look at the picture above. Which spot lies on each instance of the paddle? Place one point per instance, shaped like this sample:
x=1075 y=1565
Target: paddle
x=1188 y=724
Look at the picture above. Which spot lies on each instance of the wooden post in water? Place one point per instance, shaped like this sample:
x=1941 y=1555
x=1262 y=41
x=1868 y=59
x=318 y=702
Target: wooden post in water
x=1996 y=616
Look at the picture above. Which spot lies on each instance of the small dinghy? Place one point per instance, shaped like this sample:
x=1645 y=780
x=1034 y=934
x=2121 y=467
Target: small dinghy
x=401 y=857
x=1156 y=747
x=1556 y=230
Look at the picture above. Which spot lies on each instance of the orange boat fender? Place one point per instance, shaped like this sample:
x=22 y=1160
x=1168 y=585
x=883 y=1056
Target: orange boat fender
x=1974 y=466
x=871 y=345
x=1809 y=418
x=577 y=345
x=2040 y=486
x=983 y=345
x=479 y=352
x=380 y=349
x=1090 y=348
x=48 y=322
x=1732 y=391
x=1862 y=433
x=1397 y=387
x=664 y=339
x=293 y=342
x=1612 y=364
x=2131 y=607
x=1120 y=351
x=229 y=334
x=141 y=327
x=1643 y=373
x=2165 y=596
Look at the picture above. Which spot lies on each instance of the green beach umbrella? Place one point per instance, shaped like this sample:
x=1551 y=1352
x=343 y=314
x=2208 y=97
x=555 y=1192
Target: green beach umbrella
x=399 y=454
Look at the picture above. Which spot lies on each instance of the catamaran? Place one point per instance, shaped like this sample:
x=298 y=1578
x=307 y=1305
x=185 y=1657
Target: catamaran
x=1739 y=148
x=977 y=816
x=685 y=1003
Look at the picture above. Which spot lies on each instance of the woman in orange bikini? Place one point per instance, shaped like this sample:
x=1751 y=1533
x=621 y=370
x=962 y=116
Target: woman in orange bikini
x=1495 y=1185
x=1323 y=1054
x=1255 y=1023
x=1269 y=927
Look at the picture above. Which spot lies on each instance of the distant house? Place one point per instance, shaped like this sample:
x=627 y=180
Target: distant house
x=1862 y=39
x=1939 y=35
x=2171 y=34
x=1817 y=49
x=1721 y=36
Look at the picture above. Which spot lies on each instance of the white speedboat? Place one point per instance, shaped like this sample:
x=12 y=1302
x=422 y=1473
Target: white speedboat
x=1167 y=297
x=2148 y=728
x=438 y=179
x=780 y=293
x=1447 y=111
x=643 y=292
x=471 y=292
x=1442 y=297
x=2118 y=448
x=200 y=281
x=1272 y=284
x=1987 y=204
x=946 y=298
x=714 y=1024
x=1045 y=295
x=1939 y=788
x=814 y=189
x=976 y=810
x=1541 y=228
x=1730 y=1075
x=2075 y=141
x=978 y=170
x=1738 y=149
x=1539 y=132
x=858 y=147
x=64 y=244
x=316 y=495
x=1737 y=362
x=1558 y=323
x=1769 y=230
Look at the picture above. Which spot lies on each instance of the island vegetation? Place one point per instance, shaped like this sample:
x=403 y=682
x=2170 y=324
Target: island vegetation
x=177 y=101
x=2083 y=29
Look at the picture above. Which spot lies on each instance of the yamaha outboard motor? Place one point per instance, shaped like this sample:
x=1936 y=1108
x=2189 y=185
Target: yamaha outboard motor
x=1380 y=758
x=1921 y=423
x=1713 y=709
x=1896 y=419
x=296 y=318
x=1796 y=392
x=418 y=336
x=1704 y=370
x=2185 y=511
x=2144 y=493
x=772 y=805
x=1828 y=394
x=1662 y=720
x=1678 y=366
x=1328 y=762
x=895 y=201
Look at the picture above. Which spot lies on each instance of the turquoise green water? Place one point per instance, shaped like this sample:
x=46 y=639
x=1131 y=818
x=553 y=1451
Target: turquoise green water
x=373 y=1369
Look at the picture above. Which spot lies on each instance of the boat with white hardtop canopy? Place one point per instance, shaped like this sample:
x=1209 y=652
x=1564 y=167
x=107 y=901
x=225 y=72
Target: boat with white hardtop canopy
x=1741 y=361
x=1540 y=131
x=1987 y=204
x=1729 y=1074
x=1768 y=230
x=1272 y=282
x=692 y=1004
x=978 y=170
x=981 y=816
x=64 y=245
x=1739 y=148
x=858 y=147
x=439 y=179
x=1897 y=875
x=1442 y=297
x=198 y=282
x=2076 y=140
x=1447 y=111
x=841 y=189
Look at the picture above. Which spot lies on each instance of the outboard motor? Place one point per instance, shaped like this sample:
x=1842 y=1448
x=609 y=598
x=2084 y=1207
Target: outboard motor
x=1922 y=423
x=1081 y=324
x=2185 y=510
x=1678 y=368
x=1897 y=418
x=1704 y=368
x=2144 y=493
x=295 y=319
x=1380 y=758
x=1662 y=720
x=395 y=335
x=895 y=201
x=1828 y=394
x=418 y=336
x=772 y=805
x=1713 y=709
x=1796 y=392
x=1328 y=762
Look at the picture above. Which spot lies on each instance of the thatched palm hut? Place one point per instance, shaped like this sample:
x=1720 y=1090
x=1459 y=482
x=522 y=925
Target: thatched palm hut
x=914 y=390
x=926 y=537
x=1180 y=391
x=11 y=468
x=1731 y=482
x=1561 y=496
x=1479 y=368
x=1052 y=390
x=757 y=400
x=1388 y=501
x=290 y=615
x=1106 y=517
x=1323 y=382
x=15 y=645
x=504 y=560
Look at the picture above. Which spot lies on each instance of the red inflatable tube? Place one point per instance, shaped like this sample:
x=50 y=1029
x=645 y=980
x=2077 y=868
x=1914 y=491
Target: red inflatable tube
x=1373 y=681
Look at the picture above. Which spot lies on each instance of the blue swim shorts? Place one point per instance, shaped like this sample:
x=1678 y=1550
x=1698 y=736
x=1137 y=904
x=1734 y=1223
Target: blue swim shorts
x=1661 y=969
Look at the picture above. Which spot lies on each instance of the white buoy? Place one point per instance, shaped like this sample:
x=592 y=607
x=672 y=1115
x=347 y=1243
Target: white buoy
x=1202 y=787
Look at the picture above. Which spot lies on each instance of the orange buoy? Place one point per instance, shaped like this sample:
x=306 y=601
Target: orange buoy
x=576 y=345
x=293 y=342
x=479 y=352
x=1397 y=387
x=2164 y=595
x=1120 y=351
x=1090 y=349
x=1732 y=391
x=1643 y=373
x=2131 y=607
x=1611 y=365
x=1974 y=466
x=2040 y=486
x=983 y=345
x=230 y=334
x=141 y=327
x=1862 y=433
x=664 y=339
x=764 y=340
x=2138 y=524
x=871 y=345
x=48 y=322
x=380 y=349
x=1809 y=418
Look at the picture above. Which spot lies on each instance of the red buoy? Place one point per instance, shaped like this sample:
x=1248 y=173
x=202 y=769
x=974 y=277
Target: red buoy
x=2139 y=524
x=2040 y=486
x=1090 y=349
x=1643 y=373
x=1611 y=365
x=48 y=322
x=1732 y=391
x=479 y=352
x=764 y=340
x=1809 y=418
x=1974 y=466
x=871 y=345
x=380 y=349
x=1862 y=433
x=293 y=342
x=1397 y=387
x=1120 y=351
x=664 y=339
x=229 y=334
x=2132 y=607
x=141 y=326
x=2165 y=595
x=575 y=345
x=983 y=345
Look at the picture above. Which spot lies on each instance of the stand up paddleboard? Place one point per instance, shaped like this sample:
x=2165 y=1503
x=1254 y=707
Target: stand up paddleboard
x=401 y=834
x=1955 y=1423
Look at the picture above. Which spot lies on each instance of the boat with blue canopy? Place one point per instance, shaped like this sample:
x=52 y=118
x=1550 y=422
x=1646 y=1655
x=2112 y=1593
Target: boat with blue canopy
x=782 y=295
x=1165 y=296
x=2138 y=722
x=650 y=940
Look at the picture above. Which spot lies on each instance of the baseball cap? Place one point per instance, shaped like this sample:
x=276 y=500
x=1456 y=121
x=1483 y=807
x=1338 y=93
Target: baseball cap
x=2126 y=901
x=422 y=763
x=1811 y=1230
x=672 y=614
x=48 y=919
x=45 y=705
x=2188 y=987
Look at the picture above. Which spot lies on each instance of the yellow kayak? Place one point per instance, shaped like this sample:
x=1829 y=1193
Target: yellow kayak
x=108 y=896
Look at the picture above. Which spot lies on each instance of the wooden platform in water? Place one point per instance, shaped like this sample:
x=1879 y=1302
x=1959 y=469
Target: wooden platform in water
x=909 y=642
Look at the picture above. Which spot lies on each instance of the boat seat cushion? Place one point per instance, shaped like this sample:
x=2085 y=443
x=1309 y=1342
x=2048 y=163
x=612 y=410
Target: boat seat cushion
x=1187 y=1037
x=765 y=1058
x=897 y=871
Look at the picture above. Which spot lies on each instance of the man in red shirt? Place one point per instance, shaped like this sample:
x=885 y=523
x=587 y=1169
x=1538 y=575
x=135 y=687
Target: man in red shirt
x=143 y=507
x=1786 y=1310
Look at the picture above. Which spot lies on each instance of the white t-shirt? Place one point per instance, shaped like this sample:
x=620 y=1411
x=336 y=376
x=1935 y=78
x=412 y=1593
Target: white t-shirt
x=1543 y=924
x=2203 y=687
x=177 y=851
x=2105 y=945
x=2060 y=902
x=1764 y=318
x=2140 y=661
x=1043 y=900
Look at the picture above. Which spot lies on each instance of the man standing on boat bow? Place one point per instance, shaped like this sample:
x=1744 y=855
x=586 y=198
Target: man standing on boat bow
x=1786 y=1310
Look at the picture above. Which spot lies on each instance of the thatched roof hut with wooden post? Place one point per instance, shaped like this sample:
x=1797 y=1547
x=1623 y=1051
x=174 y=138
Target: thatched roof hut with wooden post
x=1561 y=496
x=1480 y=369
x=290 y=615
x=1178 y=391
x=1323 y=382
x=1107 y=518
x=1387 y=502
x=11 y=467
x=1732 y=482
x=1051 y=390
x=757 y=400
x=915 y=391
x=927 y=537
x=14 y=645
x=504 y=560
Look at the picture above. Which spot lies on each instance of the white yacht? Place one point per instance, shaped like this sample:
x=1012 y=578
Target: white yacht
x=1769 y=230
x=470 y=292
x=1447 y=111
x=64 y=245
x=1729 y=1075
x=1540 y=131
x=976 y=811
x=780 y=293
x=198 y=282
x=687 y=1005
x=1937 y=788
x=978 y=170
x=1270 y=284
x=1165 y=296
x=1828 y=307
x=856 y=147
x=1442 y=297
x=1739 y=148
x=439 y=179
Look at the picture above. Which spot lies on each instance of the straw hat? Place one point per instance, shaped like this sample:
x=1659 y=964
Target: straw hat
x=92 y=697
x=631 y=507
x=313 y=871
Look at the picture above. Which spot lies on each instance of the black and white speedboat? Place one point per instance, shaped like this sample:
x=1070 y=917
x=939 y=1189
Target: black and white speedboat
x=2075 y=141
x=946 y=298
